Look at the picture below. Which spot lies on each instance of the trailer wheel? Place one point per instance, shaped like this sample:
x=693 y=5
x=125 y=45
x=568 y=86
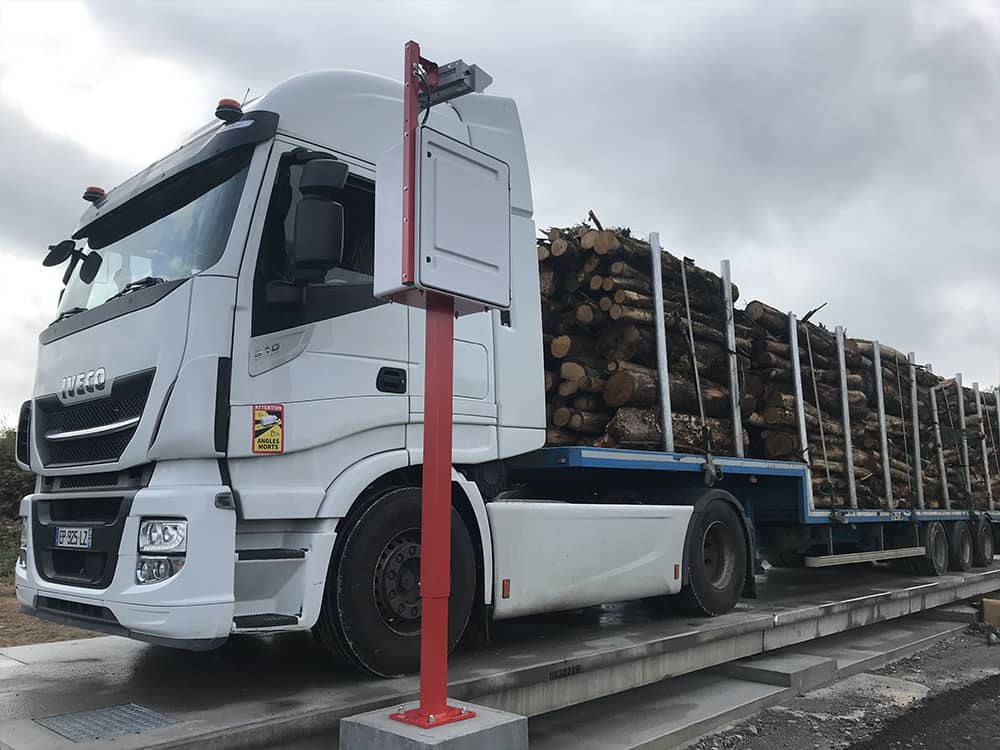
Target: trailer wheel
x=961 y=545
x=717 y=561
x=371 y=608
x=982 y=544
x=935 y=561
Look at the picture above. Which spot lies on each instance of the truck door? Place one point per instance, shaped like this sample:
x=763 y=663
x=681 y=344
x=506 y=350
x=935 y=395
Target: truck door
x=319 y=386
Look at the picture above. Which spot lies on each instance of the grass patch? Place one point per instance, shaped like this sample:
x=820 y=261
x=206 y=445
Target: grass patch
x=10 y=537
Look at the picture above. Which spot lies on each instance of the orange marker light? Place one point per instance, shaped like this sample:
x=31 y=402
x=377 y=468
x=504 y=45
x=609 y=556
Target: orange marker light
x=229 y=110
x=677 y=572
x=93 y=194
x=505 y=588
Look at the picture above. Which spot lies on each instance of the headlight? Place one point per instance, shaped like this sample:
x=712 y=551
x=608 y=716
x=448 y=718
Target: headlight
x=162 y=536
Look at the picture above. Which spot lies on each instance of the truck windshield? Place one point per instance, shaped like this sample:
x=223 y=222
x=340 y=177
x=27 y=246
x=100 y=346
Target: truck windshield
x=165 y=234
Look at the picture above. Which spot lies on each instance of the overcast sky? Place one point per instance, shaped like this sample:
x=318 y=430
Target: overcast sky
x=839 y=152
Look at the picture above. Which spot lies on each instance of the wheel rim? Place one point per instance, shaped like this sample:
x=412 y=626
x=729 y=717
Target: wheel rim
x=718 y=555
x=986 y=535
x=396 y=583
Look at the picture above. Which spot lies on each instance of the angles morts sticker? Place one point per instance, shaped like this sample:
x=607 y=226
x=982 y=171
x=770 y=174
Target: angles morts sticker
x=269 y=428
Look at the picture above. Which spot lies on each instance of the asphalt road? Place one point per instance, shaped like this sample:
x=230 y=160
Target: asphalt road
x=945 y=697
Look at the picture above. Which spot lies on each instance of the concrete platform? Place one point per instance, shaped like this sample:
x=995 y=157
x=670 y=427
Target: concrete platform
x=262 y=692
x=673 y=712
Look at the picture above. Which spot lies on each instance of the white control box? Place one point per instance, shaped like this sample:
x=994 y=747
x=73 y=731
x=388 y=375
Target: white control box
x=462 y=235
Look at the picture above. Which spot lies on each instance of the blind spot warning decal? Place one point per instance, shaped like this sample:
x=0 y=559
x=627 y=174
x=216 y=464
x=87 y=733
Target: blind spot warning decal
x=269 y=428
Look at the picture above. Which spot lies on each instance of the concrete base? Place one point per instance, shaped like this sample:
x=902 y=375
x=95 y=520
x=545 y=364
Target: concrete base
x=489 y=729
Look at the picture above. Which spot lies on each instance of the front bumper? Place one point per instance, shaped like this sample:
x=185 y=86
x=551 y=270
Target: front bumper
x=193 y=609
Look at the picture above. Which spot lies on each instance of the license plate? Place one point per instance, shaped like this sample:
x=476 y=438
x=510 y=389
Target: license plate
x=74 y=538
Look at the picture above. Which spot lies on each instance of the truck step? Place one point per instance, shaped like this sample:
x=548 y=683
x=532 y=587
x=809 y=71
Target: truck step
x=270 y=554
x=821 y=561
x=264 y=621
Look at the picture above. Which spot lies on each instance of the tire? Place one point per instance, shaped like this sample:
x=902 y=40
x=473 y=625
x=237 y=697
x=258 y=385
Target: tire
x=716 y=559
x=371 y=606
x=961 y=544
x=982 y=543
x=935 y=561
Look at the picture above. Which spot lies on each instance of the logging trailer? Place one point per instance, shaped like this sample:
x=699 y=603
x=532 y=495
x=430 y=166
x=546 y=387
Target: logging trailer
x=255 y=465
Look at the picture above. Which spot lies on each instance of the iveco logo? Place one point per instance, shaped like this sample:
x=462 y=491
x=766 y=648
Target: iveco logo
x=84 y=382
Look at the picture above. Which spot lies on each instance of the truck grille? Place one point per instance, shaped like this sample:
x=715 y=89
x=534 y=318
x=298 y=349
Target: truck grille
x=112 y=421
x=90 y=568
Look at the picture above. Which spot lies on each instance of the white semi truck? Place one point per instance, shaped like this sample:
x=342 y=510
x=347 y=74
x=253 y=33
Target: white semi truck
x=226 y=424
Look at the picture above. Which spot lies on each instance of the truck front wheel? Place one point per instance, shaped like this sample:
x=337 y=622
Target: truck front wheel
x=716 y=559
x=371 y=608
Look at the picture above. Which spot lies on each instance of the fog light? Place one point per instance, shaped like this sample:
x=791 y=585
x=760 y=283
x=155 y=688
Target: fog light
x=156 y=569
x=22 y=550
x=162 y=535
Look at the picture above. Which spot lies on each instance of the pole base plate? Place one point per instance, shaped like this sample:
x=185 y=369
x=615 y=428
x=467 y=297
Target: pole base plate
x=419 y=718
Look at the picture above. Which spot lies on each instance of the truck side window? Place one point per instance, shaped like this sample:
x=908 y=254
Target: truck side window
x=347 y=288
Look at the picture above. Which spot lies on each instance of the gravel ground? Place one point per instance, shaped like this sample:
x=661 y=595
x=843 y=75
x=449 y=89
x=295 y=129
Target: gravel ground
x=947 y=696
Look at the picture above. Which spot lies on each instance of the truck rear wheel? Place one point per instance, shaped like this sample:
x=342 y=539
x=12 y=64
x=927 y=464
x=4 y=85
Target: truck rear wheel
x=935 y=560
x=982 y=544
x=716 y=559
x=961 y=546
x=371 y=608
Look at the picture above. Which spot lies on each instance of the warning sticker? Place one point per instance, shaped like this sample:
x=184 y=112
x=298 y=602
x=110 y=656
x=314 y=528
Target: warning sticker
x=268 y=428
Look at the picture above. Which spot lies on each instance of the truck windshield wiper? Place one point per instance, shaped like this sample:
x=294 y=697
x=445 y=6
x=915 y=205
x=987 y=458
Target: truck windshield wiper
x=133 y=286
x=71 y=311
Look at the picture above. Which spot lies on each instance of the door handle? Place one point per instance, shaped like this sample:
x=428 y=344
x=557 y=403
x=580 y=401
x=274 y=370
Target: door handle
x=391 y=380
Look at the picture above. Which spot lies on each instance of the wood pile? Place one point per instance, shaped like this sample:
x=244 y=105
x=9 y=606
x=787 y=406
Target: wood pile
x=773 y=426
x=601 y=379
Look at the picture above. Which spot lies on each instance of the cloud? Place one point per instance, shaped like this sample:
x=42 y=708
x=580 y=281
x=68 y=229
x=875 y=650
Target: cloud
x=839 y=152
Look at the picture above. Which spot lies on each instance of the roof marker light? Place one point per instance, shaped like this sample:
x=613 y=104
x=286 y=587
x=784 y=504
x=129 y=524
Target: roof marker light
x=228 y=110
x=93 y=194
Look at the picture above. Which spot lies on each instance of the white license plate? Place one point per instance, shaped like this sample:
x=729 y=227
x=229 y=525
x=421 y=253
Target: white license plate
x=74 y=538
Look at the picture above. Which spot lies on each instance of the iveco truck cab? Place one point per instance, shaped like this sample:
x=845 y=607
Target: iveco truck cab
x=226 y=424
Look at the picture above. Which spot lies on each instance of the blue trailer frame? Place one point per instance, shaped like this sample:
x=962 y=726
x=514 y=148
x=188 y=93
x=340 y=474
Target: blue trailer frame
x=773 y=493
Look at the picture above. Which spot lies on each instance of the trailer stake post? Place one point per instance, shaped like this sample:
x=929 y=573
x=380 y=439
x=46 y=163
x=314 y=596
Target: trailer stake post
x=662 y=368
x=800 y=409
x=942 y=469
x=734 y=372
x=966 y=471
x=986 y=452
x=883 y=438
x=852 y=490
x=919 y=469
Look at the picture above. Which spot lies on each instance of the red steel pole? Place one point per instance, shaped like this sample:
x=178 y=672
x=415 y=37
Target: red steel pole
x=435 y=510
x=435 y=519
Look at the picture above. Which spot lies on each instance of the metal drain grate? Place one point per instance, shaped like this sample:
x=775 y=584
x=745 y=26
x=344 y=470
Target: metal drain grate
x=101 y=723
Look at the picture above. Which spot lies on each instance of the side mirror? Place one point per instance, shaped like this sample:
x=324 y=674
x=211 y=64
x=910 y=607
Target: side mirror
x=319 y=236
x=58 y=254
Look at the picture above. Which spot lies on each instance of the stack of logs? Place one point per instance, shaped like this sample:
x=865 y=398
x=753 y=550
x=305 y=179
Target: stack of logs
x=773 y=427
x=598 y=322
x=601 y=379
